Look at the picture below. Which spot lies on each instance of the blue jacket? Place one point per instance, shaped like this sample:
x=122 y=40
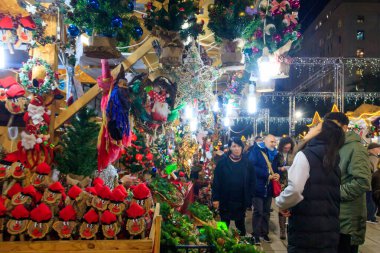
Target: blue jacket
x=263 y=186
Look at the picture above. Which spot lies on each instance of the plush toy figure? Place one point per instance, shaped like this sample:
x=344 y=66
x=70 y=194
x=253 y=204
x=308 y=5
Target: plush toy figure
x=54 y=196
x=136 y=224
x=16 y=102
x=117 y=205
x=18 y=223
x=41 y=178
x=90 y=225
x=143 y=196
x=110 y=226
x=25 y=31
x=41 y=222
x=6 y=32
x=77 y=198
x=3 y=211
x=5 y=84
x=65 y=226
x=27 y=197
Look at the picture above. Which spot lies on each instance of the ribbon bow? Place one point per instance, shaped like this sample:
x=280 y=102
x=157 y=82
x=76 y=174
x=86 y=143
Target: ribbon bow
x=162 y=4
x=279 y=6
x=291 y=18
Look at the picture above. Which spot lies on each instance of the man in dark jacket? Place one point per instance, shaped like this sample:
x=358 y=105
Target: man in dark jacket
x=355 y=181
x=258 y=156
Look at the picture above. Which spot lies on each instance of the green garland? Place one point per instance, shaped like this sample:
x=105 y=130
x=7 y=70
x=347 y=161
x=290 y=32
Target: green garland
x=49 y=82
x=200 y=211
x=165 y=188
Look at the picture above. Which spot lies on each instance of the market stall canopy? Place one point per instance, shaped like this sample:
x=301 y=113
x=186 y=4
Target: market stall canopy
x=366 y=112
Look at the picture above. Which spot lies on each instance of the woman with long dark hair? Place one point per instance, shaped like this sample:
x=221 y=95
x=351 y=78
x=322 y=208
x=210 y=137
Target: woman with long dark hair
x=285 y=160
x=232 y=185
x=312 y=198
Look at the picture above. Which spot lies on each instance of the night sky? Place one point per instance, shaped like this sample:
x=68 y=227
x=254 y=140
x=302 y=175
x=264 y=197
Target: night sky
x=310 y=10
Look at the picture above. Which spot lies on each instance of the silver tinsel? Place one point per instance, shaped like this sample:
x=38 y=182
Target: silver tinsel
x=109 y=176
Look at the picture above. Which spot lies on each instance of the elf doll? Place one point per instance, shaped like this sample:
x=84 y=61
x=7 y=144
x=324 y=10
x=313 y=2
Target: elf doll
x=143 y=197
x=90 y=225
x=18 y=223
x=41 y=178
x=41 y=222
x=54 y=196
x=66 y=225
x=110 y=226
x=136 y=222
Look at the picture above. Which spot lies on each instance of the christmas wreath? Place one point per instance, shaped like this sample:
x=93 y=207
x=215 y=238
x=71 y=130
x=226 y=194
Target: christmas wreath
x=37 y=87
x=274 y=30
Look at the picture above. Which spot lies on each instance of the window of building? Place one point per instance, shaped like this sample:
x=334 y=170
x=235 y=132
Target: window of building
x=360 y=19
x=360 y=52
x=360 y=35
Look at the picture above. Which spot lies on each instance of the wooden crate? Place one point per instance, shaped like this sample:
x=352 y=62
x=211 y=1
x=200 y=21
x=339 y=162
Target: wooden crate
x=148 y=245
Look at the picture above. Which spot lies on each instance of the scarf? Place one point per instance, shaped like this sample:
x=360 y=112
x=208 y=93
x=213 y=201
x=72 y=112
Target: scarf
x=270 y=153
x=235 y=158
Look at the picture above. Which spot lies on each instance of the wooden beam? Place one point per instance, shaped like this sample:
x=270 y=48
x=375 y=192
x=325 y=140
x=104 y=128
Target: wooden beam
x=95 y=90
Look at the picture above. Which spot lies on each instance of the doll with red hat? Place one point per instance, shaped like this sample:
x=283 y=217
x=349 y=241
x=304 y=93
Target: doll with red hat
x=5 y=84
x=17 y=171
x=41 y=178
x=26 y=197
x=7 y=27
x=4 y=174
x=101 y=201
x=67 y=223
x=18 y=223
x=136 y=224
x=77 y=198
x=3 y=211
x=16 y=101
x=25 y=31
x=143 y=196
x=110 y=226
x=41 y=221
x=90 y=225
x=117 y=205
x=54 y=196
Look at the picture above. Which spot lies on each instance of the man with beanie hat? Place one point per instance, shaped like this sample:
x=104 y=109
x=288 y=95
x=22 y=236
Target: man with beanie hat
x=355 y=182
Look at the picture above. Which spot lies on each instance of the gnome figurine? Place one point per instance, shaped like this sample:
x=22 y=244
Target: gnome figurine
x=41 y=178
x=110 y=226
x=18 y=223
x=143 y=197
x=136 y=222
x=53 y=196
x=90 y=225
x=65 y=226
x=40 y=223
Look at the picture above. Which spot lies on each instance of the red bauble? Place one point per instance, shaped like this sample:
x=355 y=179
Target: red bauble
x=149 y=156
x=123 y=151
x=139 y=157
x=134 y=137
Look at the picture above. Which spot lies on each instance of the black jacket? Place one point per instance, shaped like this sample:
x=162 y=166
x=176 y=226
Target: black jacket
x=220 y=182
x=314 y=223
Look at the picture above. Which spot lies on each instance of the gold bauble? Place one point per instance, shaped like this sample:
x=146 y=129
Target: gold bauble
x=241 y=14
x=211 y=7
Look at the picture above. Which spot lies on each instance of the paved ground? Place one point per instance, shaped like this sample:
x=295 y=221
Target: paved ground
x=372 y=243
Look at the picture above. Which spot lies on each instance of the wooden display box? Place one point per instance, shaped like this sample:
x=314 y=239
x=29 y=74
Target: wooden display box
x=148 y=245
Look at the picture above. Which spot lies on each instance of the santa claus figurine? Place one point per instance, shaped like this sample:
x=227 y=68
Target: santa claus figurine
x=90 y=225
x=160 y=109
x=65 y=226
x=110 y=226
x=37 y=113
x=41 y=222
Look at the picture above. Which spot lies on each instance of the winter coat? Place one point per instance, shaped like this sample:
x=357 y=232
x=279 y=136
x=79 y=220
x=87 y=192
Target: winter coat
x=220 y=190
x=263 y=187
x=376 y=187
x=355 y=181
x=314 y=223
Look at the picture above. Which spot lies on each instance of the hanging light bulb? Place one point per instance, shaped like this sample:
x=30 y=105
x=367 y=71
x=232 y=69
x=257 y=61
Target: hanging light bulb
x=227 y=122
x=268 y=66
x=229 y=108
x=251 y=100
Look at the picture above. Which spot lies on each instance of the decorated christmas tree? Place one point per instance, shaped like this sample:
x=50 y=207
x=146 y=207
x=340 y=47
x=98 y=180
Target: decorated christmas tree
x=77 y=150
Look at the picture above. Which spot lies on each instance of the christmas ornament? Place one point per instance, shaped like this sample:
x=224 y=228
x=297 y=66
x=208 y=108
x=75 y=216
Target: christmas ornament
x=139 y=157
x=93 y=4
x=131 y=6
x=117 y=22
x=73 y=30
x=138 y=31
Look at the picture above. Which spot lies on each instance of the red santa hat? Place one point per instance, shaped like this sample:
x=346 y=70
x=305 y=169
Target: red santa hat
x=37 y=101
x=27 y=22
x=74 y=192
x=3 y=209
x=108 y=218
x=141 y=191
x=30 y=191
x=118 y=195
x=16 y=188
x=41 y=213
x=11 y=157
x=68 y=213
x=7 y=82
x=43 y=169
x=135 y=210
x=92 y=191
x=20 y=212
x=97 y=180
x=105 y=192
x=56 y=187
x=6 y=23
x=122 y=189
x=15 y=91
x=91 y=217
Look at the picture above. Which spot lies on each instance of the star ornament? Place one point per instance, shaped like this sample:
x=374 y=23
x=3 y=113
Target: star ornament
x=43 y=23
x=70 y=51
x=31 y=9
